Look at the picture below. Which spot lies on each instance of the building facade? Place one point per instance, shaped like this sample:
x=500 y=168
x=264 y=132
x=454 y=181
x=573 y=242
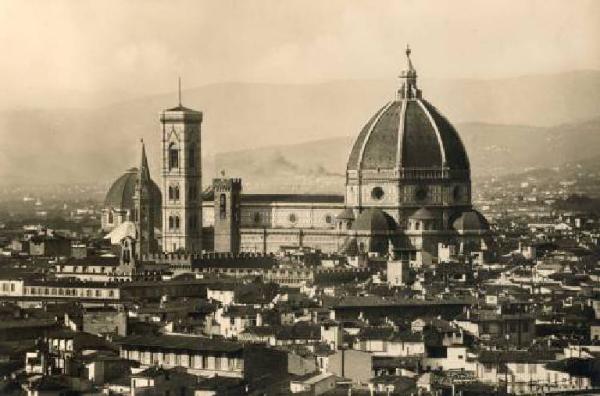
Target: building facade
x=181 y=180
x=408 y=184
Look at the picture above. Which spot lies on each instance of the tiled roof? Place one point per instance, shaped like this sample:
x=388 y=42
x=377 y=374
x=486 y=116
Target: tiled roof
x=427 y=139
x=300 y=331
x=516 y=356
x=373 y=220
x=169 y=342
x=93 y=260
x=375 y=301
x=120 y=195
x=293 y=198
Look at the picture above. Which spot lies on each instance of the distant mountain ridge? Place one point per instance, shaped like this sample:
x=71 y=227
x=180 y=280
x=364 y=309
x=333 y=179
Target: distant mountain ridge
x=494 y=150
x=91 y=144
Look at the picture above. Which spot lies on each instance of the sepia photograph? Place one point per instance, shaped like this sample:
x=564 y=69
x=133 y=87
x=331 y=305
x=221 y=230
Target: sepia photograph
x=299 y=197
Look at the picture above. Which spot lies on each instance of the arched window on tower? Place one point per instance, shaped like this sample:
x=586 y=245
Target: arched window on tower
x=173 y=156
x=171 y=223
x=192 y=155
x=176 y=193
x=193 y=192
x=171 y=195
x=176 y=222
x=110 y=217
x=223 y=206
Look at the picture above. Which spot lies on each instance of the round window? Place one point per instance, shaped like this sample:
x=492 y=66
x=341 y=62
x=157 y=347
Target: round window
x=377 y=193
x=292 y=218
x=421 y=193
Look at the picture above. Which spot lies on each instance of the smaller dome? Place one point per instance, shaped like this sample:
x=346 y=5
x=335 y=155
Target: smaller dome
x=423 y=214
x=120 y=195
x=346 y=214
x=372 y=220
x=471 y=220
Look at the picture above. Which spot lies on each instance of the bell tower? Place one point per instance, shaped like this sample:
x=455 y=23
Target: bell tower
x=181 y=179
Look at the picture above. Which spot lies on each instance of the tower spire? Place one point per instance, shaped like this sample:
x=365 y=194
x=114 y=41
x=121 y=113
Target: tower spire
x=409 y=62
x=179 y=90
x=144 y=168
x=408 y=88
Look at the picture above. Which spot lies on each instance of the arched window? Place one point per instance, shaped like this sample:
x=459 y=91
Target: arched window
x=192 y=155
x=176 y=222
x=193 y=192
x=176 y=191
x=223 y=206
x=110 y=217
x=171 y=222
x=257 y=217
x=171 y=195
x=173 y=156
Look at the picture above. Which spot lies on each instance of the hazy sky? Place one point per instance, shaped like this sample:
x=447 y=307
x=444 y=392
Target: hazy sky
x=117 y=49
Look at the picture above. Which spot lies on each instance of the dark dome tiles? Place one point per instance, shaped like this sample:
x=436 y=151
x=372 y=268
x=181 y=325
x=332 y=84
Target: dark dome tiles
x=381 y=146
x=121 y=193
x=456 y=155
x=373 y=220
x=358 y=144
x=420 y=146
x=427 y=139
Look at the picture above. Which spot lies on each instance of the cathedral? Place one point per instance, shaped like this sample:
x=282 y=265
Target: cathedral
x=408 y=192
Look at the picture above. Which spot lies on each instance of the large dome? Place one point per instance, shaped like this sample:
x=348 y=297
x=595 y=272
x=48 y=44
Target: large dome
x=408 y=133
x=120 y=195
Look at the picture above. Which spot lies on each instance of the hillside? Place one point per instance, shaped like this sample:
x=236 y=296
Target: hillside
x=86 y=144
x=493 y=150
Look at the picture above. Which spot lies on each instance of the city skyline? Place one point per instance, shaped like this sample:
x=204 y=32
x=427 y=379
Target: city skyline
x=299 y=198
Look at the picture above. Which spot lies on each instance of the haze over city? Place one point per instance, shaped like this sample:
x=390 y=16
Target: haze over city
x=83 y=82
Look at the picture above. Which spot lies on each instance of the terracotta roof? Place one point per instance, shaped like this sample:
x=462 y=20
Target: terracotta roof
x=374 y=220
x=249 y=199
x=423 y=214
x=427 y=139
x=375 y=301
x=189 y=343
x=120 y=195
x=293 y=198
x=471 y=220
x=181 y=108
x=516 y=356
